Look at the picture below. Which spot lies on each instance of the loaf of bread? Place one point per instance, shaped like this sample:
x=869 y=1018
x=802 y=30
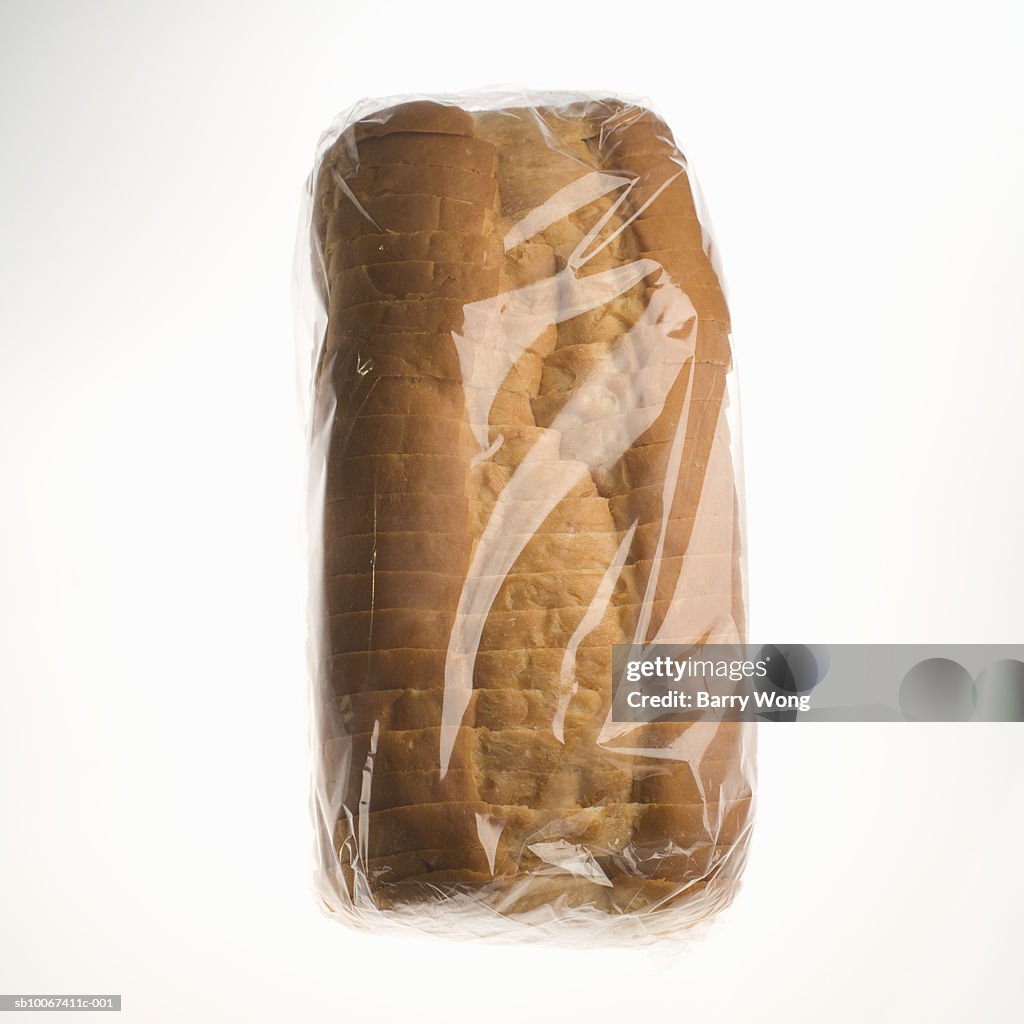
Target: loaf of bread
x=520 y=458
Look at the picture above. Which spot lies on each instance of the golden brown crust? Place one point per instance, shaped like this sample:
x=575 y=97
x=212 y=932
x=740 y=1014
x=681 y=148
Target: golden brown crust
x=527 y=339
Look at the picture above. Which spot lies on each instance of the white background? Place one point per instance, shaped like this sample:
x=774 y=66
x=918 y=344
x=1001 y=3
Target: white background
x=863 y=165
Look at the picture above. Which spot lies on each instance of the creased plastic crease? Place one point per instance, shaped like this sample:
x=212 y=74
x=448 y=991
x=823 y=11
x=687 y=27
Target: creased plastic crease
x=518 y=364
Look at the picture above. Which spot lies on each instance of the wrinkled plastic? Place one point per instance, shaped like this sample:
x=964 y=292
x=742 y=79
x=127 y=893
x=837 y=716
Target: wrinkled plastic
x=520 y=454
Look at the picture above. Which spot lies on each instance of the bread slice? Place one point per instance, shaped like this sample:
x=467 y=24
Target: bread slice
x=574 y=781
x=553 y=588
x=613 y=410
x=654 y=502
x=425 y=396
x=673 y=537
x=607 y=323
x=446 y=552
x=402 y=435
x=528 y=263
x=432 y=316
x=672 y=744
x=384 y=790
x=379 y=874
x=423 y=875
x=391 y=247
x=718 y=780
x=379 y=588
x=654 y=386
x=718 y=865
x=386 y=513
x=434 y=435
x=535 y=750
x=586 y=778
x=414 y=116
x=624 y=144
x=384 y=875
x=357 y=374
x=389 y=474
x=430 y=150
x=530 y=170
x=710 y=303
x=343 y=220
x=420 y=513
x=693 y=499
x=404 y=179
x=403 y=709
x=656 y=230
x=362 y=671
x=682 y=581
x=612 y=427
x=629 y=130
x=653 y=170
x=644 y=467
x=567 y=225
x=702 y=864
x=568 y=367
x=568 y=551
x=693 y=394
x=422 y=279
x=396 y=552
x=689 y=266
x=543 y=554
x=602 y=441
x=580 y=513
x=556 y=481
x=430 y=629
x=689 y=602
x=575 y=366
x=701 y=823
x=580 y=366
x=605 y=829
x=664 y=197
x=509 y=830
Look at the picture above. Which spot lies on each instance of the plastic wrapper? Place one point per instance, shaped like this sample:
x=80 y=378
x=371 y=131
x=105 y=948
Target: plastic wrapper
x=521 y=453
